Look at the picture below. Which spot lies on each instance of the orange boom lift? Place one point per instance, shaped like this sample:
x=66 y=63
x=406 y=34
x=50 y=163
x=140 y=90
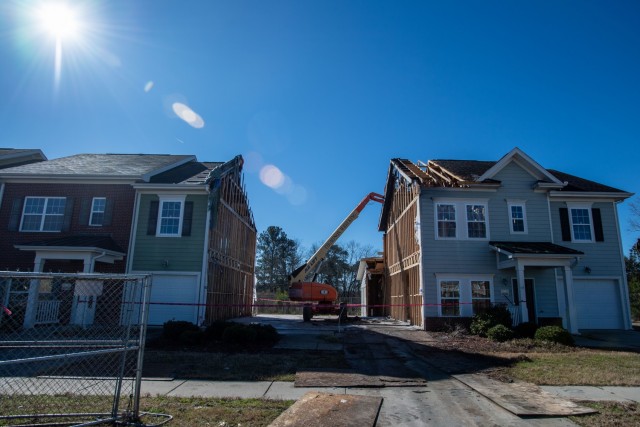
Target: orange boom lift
x=321 y=297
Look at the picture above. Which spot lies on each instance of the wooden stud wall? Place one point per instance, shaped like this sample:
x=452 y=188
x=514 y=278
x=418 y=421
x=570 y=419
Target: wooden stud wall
x=402 y=253
x=232 y=250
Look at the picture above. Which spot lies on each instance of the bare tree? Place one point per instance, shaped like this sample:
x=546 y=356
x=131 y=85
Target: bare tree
x=634 y=221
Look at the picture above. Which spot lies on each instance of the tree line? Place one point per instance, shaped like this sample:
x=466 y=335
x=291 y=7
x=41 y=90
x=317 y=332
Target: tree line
x=278 y=255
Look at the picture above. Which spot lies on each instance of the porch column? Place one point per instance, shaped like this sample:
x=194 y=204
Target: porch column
x=32 y=298
x=524 y=313
x=568 y=281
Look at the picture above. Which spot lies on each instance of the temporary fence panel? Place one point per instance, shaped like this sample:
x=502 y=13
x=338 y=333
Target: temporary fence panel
x=71 y=347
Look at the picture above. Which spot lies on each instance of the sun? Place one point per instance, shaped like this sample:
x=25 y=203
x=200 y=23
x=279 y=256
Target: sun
x=59 y=20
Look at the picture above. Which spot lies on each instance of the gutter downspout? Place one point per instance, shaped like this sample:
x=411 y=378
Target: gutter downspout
x=1 y=193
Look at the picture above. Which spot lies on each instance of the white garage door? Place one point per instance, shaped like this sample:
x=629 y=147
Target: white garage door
x=598 y=304
x=180 y=291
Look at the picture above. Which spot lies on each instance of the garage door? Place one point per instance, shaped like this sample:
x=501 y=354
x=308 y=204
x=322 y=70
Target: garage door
x=598 y=304
x=181 y=291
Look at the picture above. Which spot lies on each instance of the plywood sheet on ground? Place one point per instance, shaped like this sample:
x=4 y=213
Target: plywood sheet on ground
x=522 y=399
x=335 y=378
x=336 y=410
x=350 y=378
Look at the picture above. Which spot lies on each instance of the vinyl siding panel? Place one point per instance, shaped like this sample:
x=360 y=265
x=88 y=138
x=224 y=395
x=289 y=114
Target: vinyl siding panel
x=183 y=253
x=603 y=258
x=475 y=257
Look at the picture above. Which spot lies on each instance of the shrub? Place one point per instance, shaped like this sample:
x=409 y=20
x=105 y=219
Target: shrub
x=526 y=330
x=554 y=334
x=214 y=331
x=191 y=337
x=239 y=334
x=173 y=329
x=265 y=333
x=499 y=333
x=491 y=316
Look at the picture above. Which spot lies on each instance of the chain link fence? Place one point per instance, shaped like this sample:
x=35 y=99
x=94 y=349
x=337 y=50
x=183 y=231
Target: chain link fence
x=71 y=347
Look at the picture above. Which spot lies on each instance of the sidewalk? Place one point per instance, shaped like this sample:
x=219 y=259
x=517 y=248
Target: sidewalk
x=280 y=390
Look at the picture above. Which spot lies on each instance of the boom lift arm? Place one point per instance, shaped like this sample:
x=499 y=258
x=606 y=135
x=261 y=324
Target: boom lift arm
x=302 y=290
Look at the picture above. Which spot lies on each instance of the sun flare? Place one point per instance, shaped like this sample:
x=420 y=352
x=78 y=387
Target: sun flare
x=59 y=20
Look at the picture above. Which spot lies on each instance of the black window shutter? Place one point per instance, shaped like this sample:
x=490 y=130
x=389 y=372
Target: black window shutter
x=16 y=214
x=153 y=218
x=68 y=214
x=186 y=219
x=564 y=224
x=108 y=212
x=83 y=219
x=597 y=224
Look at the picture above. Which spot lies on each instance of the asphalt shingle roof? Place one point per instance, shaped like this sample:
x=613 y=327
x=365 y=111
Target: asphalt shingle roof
x=116 y=165
x=188 y=173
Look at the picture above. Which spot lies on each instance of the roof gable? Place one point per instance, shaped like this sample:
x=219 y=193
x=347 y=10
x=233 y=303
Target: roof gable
x=524 y=161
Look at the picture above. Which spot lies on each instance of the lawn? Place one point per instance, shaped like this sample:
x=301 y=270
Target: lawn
x=585 y=367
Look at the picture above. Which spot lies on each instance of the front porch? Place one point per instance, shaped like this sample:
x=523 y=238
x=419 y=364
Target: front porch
x=519 y=257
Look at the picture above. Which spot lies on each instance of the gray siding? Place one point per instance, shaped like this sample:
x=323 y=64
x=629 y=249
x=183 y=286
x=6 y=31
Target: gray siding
x=183 y=253
x=603 y=258
x=475 y=257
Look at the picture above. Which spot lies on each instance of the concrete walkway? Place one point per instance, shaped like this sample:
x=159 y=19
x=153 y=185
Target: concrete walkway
x=281 y=390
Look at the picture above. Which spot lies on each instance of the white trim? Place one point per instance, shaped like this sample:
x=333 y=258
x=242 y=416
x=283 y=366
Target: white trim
x=163 y=198
x=529 y=165
x=44 y=214
x=461 y=221
x=465 y=300
x=523 y=205
x=589 y=196
x=421 y=284
x=581 y=206
x=202 y=298
x=103 y=212
x=134 y=231
x=624 y=285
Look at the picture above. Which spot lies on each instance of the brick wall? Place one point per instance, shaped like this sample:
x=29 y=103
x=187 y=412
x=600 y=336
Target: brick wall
x=121 y=195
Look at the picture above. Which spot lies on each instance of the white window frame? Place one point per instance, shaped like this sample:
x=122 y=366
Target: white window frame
x=581 y=206
x=462 y=227
x=517 y=203
x=438 y=221
x=170 y=199
x=95 y=211
x=465 y=302
x=43 y=214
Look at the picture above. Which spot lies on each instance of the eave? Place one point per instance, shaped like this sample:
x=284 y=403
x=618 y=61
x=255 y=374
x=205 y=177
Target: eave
x=588 y=195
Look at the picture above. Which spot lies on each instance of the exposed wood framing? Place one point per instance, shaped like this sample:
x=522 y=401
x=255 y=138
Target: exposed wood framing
x=402 y=252
x=232 y=249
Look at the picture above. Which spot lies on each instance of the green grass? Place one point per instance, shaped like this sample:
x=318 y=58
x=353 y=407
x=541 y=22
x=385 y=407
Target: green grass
x=194 y=411
x=186 y=411
x=610 y=414
x=595 y=368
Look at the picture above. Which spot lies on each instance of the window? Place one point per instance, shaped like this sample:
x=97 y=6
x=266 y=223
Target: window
x=461 y=219
x=581 y=224
x=480 y=295
x=450 y=297
x=98 y=207
x=170 y=218
x=464 y=294
x=517 y=218
x=43 y=214
x=476 y=223
x=446 y=221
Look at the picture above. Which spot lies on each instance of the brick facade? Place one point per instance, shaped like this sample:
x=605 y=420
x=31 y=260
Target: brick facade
x=121 y=195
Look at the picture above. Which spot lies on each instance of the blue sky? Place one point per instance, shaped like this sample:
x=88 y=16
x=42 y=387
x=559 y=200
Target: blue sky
x=329 y=91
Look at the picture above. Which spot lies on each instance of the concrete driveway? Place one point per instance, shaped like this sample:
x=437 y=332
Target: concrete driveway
x=442 y=401
x=609 y=339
